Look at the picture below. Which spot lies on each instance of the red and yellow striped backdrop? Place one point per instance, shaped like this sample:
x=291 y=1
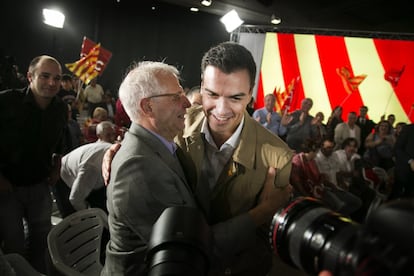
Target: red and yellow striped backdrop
x=316 y=58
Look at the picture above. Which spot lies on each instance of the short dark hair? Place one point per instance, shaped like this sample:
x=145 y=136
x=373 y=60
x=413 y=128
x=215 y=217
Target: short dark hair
x=66 y=77
x=310 y=145
x=349 y=141
x=230 y=57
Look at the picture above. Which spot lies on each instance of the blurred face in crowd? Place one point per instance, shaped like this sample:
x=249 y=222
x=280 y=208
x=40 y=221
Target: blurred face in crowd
x=225 y=97
x=67 y=85
x=45 y=79
x=399 y=127
x=327 y=148
x=319 y=117
x=384 y=127
x=269 y=102
x=306 y=105
x=363 y=112
x=351 y=148
x=352 y=118
x=391 y=119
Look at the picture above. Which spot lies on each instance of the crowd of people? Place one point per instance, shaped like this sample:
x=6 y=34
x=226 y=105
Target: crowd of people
x=156 y=147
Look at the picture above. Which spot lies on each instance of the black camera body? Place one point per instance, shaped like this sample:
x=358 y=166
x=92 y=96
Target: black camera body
x=310 y=237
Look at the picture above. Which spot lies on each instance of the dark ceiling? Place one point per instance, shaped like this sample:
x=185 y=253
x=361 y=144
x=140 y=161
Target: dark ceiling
x=394 y=16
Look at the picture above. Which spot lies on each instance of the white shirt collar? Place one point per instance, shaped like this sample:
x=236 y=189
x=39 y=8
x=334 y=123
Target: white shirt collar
x=233 y=141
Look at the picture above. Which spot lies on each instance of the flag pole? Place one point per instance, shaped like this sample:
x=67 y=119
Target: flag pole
x=78 y=89
x=388 y=102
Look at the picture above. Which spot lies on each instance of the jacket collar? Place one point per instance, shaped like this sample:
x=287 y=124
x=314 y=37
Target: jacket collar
x=244 y=153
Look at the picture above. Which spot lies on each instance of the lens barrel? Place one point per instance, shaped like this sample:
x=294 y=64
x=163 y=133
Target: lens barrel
x=311 y=237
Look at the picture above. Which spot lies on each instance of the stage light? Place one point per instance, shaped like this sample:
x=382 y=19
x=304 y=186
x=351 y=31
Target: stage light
x=53 y=18
x=275 y=20
x=231 y=21
x=206 y=3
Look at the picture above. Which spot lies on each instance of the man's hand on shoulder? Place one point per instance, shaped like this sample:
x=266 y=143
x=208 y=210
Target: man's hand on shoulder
x=107 y=160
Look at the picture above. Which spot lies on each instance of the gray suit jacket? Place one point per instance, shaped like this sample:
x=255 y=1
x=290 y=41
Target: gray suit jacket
x=145 y=179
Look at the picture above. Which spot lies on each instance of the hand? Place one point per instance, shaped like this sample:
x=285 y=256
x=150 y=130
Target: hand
x=106 y=162
x=325 y=273
x=302 y=117
x=316 y=121
x=276 y=196
x=269 y=117
x=286 y=118
x=271 y=199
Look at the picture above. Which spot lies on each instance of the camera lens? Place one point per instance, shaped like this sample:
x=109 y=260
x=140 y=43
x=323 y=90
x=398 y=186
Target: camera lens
x=311 y=237
x=180 y=243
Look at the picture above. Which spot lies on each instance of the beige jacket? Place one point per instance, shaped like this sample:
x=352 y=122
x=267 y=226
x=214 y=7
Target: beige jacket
x=238 y=187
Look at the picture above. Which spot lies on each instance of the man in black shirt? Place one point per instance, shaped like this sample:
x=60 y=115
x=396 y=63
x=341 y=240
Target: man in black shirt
x=32 y=127
x=366 y=125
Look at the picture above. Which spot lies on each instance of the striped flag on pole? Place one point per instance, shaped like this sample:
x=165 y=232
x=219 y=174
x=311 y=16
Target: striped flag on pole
x=93 y=61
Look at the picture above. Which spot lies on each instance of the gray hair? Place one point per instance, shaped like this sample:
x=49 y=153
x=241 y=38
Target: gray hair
x=141 y=82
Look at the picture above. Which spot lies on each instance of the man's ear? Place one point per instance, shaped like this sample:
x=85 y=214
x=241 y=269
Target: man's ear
x=29 y=76
x=145 y=105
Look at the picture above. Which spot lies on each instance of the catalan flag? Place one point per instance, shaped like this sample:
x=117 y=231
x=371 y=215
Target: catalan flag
x=349 y=81
x=284 y=99
x=280 y=98
x=394 y=75
x=93 y=61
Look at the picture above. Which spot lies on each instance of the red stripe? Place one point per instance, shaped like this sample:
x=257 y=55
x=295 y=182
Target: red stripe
x=333 y=54
x=394 y=55
x=259 y=101
x=290 y=67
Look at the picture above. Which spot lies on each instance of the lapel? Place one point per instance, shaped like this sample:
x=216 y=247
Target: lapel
x=192 y=138
x=188 y=168
x=160 y=150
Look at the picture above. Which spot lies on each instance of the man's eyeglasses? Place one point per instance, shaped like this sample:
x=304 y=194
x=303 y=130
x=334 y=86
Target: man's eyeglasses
x=175 y=96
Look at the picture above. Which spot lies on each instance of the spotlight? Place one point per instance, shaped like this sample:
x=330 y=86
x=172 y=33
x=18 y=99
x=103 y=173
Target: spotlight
x=275 y=20
x=53 y=18
x=231 y=21
x=206 y=3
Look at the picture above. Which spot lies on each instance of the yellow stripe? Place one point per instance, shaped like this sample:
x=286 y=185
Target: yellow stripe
x=376 y=93
x=272 y=74
x=311 y=73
